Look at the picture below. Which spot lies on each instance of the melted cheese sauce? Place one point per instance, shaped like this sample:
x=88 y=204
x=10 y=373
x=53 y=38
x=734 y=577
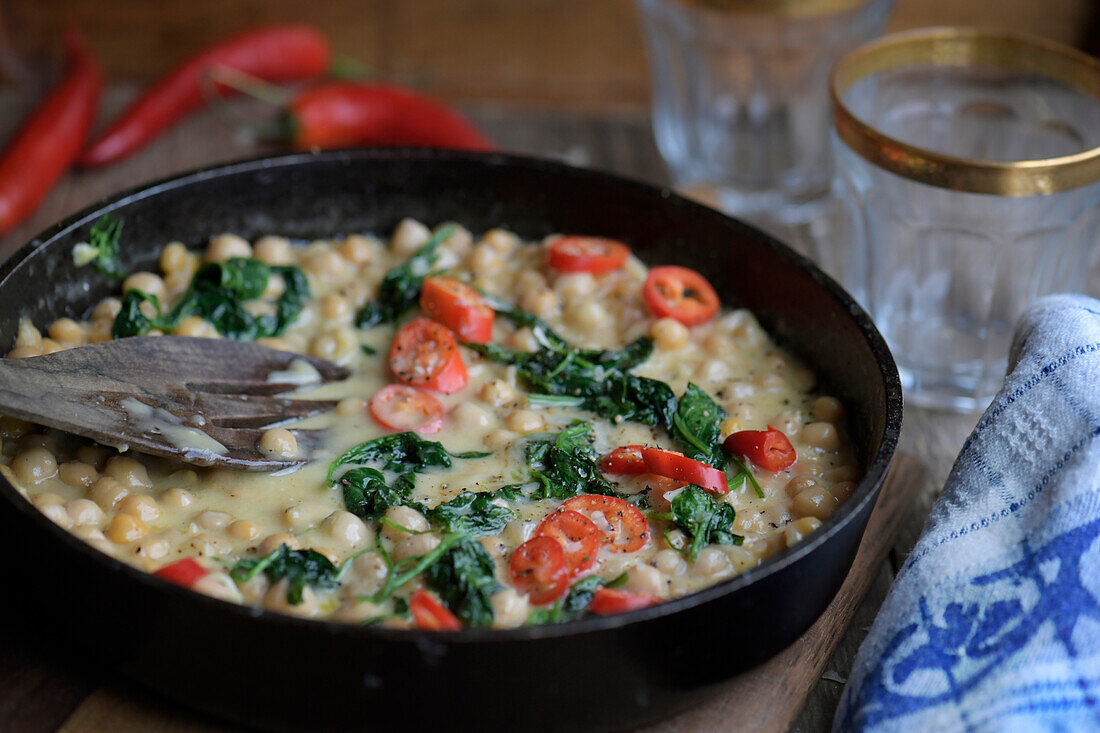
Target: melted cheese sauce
x=150 y=512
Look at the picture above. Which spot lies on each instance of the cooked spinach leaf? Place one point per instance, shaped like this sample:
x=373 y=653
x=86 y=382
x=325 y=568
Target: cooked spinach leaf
x=367 y=495
x=696 y=425
x=704 y=519
x=400 y=288
x=217 y=294
x=567 y=465
x=465 y=578
x=101 y=249
x=475 y=514
x=401 y=452
x=299 y=567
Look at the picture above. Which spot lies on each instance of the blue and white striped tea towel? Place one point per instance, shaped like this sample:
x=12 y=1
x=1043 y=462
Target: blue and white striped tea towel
x=994 y=622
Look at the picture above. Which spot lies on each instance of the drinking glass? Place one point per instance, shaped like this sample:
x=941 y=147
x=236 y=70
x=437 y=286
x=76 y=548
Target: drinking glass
x=973 y=159
x=740 y=97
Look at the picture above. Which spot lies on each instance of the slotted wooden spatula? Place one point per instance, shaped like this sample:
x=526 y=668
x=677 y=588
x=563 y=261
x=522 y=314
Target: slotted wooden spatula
x=203 y=401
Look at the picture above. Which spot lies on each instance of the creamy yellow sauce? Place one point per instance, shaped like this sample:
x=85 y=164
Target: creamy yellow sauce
x=150 y=512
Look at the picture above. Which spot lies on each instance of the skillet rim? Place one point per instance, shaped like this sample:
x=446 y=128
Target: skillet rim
x=867 y=491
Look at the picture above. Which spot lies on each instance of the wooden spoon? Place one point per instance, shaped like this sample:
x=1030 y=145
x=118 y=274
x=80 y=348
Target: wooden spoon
x=203 y=401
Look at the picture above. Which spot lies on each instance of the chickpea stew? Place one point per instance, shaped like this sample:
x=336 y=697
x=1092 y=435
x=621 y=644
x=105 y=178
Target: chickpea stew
x=532 y=432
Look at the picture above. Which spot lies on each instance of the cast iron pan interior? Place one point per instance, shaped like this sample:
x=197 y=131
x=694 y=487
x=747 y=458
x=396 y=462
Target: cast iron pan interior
x=272 y=671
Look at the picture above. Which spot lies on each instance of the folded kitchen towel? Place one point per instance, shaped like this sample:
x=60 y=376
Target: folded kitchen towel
x=993 y=624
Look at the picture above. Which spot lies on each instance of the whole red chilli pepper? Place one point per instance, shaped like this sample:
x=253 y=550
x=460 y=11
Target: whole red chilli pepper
x=273 y=53
x=51 y=137
x=347 y=114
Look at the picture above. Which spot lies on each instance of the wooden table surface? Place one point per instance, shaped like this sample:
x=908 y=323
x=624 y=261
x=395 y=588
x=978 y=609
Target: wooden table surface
x=41 y=685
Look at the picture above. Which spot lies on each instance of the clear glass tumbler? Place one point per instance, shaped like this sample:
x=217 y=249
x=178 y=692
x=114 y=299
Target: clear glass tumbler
x=740 y=97
x=973 y=159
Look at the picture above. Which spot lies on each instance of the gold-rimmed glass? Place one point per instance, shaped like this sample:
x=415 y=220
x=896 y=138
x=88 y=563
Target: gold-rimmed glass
x=973 y=160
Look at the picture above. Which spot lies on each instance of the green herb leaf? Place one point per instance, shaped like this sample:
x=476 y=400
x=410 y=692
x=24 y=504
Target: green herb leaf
x=367 y=495
x=704 y=520
x=400 y=288
x=465 y=578
x=217 y=294
x=399 y=452
x=101 y=249
x=475 y=514
x=299 y=567
x=567 y=465
x=697 y=427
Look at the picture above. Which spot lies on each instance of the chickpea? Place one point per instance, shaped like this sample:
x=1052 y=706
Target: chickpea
x=827 y=409
x=274 y=250
x=821 y=435
x=575 y=286
x=125 y=529
x=243 y=530
x=416 y=546
x=127 y=471
x=38 y=440
x=333 y=345
x=350 y=406
x=497 y=392
x=510 y=609
x=356 y=611
x=98 y=332
x=27 y=334
x=587 y=315
x=107 y=309
x=469 y=416
x=25 y=352
x=278 y=443
x=712 y=563
x=174 y=258
x=49 y=346
x=77 y=473
x=403 y=516
x=530 y=280
x=85 y=512
x=498 y=439
x=409 y=236
x=519 y=531
x=347 y=530
x=304 y=515
x=147 y=282
x=336 y=308
x=543 y=303
x=372 y=571
x=798 y=484
x=730 y=426
x=670 y=562
x=668 y=334
x=359 y=249
x=275 y=288
x=799 y=529
x=720 y=345
x=523 y=339
x=212 y=520
x=273 y=342
x=34 y=465
x=842 y=490
x=218 y=585
x=275 y=541
x=225 y=247
x=67 y=331
x=329 y=266
x=484 y=260
x=771 y=382
x=94 y=455
x=814 y=502
x=141 y=506
x=501 y=240
x=46 y=499
x=177 y=498
x=58 y=515
x=767 y=545
x=107 y=492
x=525 y=421
x=648 y=580
x=741 y=558
x=176 y=282
x=152 y=548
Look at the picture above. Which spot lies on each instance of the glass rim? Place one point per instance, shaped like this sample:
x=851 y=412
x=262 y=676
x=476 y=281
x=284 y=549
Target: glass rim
x=787 y=8
x=960 y=47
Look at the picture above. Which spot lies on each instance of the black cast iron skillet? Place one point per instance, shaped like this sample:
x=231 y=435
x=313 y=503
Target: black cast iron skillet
x=267 y=670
